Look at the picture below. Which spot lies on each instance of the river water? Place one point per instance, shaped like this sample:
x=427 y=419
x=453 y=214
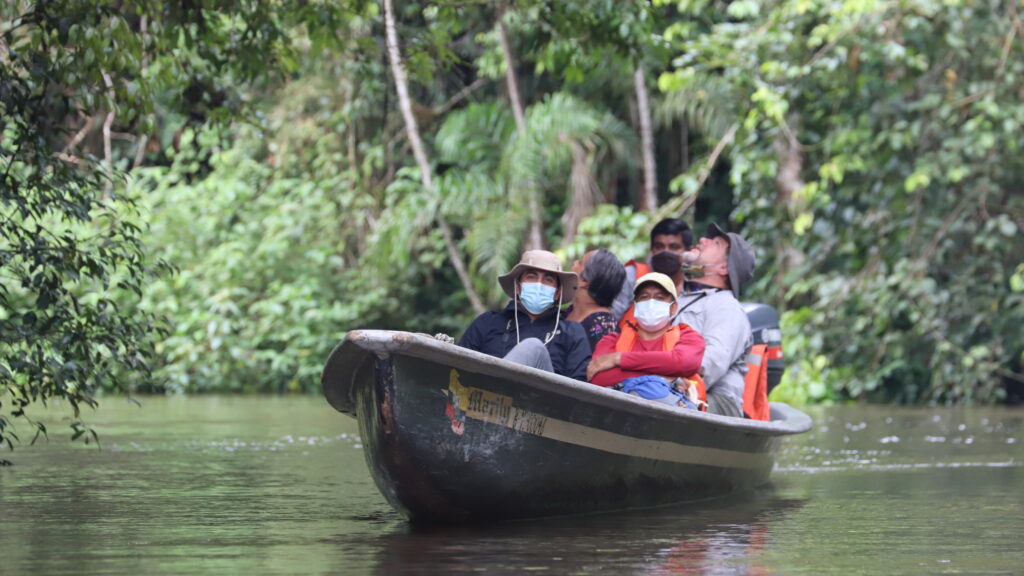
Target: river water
x=279 y=485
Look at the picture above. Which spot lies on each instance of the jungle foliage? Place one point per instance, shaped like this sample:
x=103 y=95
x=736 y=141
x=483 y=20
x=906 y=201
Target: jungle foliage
x=890 y=136
x=204 y=196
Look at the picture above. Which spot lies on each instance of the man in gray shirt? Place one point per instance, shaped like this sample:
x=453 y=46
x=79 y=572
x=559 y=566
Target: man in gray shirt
x=710 y=305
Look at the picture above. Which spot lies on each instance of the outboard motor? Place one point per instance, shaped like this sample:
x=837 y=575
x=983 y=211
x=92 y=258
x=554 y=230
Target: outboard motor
x=764 y=322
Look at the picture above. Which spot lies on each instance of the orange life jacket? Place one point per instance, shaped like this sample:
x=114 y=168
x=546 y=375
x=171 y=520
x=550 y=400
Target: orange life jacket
x=755 y=385
x=641 y=267
x=627 y=339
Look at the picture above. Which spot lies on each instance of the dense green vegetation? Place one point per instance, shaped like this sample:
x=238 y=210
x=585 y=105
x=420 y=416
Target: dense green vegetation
x=206 y=196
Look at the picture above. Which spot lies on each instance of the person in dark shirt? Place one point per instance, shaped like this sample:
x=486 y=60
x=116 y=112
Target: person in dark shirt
x=529 y=329
x=601 y=276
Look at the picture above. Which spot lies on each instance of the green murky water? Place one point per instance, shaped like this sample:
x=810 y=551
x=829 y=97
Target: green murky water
x=279 y=486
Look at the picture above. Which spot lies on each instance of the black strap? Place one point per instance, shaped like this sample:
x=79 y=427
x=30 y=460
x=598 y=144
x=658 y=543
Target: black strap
x=692 y=302
x=688 y=304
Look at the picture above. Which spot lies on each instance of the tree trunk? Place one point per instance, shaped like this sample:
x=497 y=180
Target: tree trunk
x=143 y=139
x=420 y=154
x=535 y=232
x=108 y=122
x=684 y=142
x=586 y=194
x=649 y=200
x=788 y=180
x=350 y=129
x=510 y=72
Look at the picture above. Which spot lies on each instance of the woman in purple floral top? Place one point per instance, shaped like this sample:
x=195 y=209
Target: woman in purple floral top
x=601 y=277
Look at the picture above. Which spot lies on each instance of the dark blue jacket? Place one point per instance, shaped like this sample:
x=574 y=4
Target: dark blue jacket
x=494 y=333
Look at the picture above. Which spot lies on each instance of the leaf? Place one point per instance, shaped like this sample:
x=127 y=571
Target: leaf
x=802 y=223
x=1007 y=227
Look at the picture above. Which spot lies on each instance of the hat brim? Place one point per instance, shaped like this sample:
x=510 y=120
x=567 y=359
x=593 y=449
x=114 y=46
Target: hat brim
x=714 y=231
x=734 y=277
x=658 y=279
x=567 y=281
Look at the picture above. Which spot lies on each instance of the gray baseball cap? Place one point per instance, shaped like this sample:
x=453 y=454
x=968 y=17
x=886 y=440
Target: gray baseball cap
x=741 y=258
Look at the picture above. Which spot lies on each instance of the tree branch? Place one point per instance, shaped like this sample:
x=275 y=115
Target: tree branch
x=1017 y=27
x=460 y=96
x=140 y=150
x=78 y=137
x=681 y=204
x=941 y=233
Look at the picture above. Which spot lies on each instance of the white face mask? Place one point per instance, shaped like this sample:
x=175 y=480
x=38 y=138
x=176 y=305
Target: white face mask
x=652 y=315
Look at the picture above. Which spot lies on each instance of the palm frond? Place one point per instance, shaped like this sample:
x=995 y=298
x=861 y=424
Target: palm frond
x=568 y=146
x=709 y=104
x=495 y=241
x=407 y=212
x=465 y=194
x=475 y=136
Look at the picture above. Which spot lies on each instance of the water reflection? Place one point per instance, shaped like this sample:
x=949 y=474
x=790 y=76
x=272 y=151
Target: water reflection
x=714 y=537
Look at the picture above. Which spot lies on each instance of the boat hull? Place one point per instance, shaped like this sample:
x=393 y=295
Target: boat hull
x=454 y=436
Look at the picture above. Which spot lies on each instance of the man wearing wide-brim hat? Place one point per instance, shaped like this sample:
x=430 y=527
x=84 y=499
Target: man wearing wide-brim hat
x=710 y=305
x=528 y=330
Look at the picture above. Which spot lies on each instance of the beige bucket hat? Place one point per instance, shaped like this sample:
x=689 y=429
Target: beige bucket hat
x=540 y=260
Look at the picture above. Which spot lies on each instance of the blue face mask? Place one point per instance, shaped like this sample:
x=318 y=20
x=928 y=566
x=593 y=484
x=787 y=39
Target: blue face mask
x=537 y=297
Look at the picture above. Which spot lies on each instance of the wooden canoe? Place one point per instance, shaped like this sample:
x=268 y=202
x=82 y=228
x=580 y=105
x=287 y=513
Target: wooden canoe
x=453 y=435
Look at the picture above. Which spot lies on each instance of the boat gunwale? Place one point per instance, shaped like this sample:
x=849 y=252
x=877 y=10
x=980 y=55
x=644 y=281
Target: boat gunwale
x=382 y=343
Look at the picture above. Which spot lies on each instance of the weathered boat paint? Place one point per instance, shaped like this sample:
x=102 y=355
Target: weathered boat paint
x=452 y=435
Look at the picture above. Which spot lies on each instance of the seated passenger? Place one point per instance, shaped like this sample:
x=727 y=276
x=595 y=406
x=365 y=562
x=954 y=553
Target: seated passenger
x=528 y=330
x=711 y=305
x=601 y=276
x=669 y=235
x=651 y=345
x=671 y=264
